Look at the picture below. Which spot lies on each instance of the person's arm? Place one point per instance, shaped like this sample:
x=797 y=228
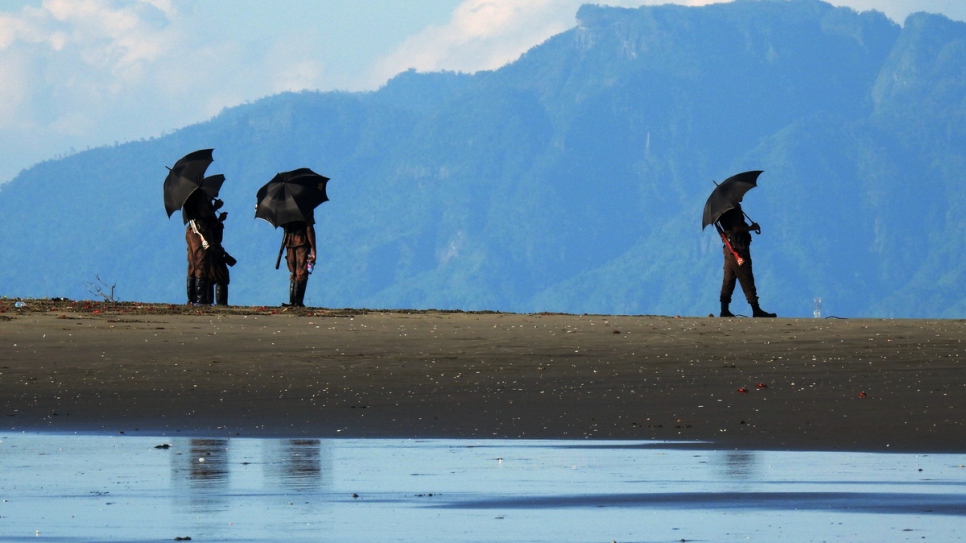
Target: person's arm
x=311 y=235
x=744 y=228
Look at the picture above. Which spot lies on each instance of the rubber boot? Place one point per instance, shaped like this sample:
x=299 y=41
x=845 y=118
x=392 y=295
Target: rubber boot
x=201 y=291
x=725 y=312
x=191 y=289
x=300 y=293
x=291 y=294
x=221 y=294
x=210 y=295
x=761 y=313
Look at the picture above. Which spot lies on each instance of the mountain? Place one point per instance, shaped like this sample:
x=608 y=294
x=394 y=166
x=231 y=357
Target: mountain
x=572 y=179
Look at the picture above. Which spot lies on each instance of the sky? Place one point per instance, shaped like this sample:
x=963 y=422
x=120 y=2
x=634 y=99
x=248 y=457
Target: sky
x=78 y=74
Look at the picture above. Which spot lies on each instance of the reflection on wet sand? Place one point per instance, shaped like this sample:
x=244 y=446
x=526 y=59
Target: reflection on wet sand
x=84 y=488
x=201 y=473
x=205 y=472
x=296 y=463
x=740 y=465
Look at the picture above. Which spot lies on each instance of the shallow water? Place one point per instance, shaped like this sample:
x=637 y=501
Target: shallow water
x=97 y=488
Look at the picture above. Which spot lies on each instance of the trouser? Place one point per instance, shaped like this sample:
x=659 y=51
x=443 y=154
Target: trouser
x=297 y=259
x=198 y=263
x=733 y=273
x=198 y=260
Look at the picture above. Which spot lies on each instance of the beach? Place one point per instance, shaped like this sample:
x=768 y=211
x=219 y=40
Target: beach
x=763 y=384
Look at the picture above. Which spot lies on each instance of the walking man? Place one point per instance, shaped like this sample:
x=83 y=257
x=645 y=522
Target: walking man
x=737 y=261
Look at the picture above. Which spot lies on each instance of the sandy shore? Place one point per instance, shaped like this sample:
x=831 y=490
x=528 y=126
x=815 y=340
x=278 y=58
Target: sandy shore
x=870 y=385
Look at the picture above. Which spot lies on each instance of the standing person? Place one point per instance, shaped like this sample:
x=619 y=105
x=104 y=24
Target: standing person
x=299 y=242
x=738 y=232
x=199 y=212
x=218 y=258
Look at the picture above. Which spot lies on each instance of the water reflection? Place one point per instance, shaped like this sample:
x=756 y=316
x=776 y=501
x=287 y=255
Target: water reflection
x=740 y=465
x=200 y=471
x=206 y=470
x=299 y=464
x=86 y=488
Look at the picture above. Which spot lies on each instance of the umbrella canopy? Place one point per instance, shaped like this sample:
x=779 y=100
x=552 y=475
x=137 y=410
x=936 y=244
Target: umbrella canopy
x=210 y=186
x=188 y=175
x=727 y=195
x=291 y=196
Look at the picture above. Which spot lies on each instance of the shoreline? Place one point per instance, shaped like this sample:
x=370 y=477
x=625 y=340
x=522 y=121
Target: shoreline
x=766 y=384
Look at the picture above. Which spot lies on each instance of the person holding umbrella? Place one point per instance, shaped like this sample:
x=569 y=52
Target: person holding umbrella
x=187 y=188
x=218 y=258
x=199 y=214
x=299 y=242
x=723 y=209
x=289 y=200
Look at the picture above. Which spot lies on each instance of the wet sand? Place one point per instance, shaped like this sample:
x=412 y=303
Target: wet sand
x=796 y=384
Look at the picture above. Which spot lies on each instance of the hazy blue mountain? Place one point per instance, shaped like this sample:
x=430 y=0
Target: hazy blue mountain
x=570 y=180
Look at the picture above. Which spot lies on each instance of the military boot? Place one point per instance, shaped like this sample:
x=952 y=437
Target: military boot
x=210 y=295
x=725 y=312
x=291 y=293
x=221 y=294
x=201 y=291
x=300 y=293
x=191 y=289
x=757 y=311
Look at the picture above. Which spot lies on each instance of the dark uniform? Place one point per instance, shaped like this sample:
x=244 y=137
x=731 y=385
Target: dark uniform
x=198 y=211
x=218 y=262
x=299 y=252
x=733 y=224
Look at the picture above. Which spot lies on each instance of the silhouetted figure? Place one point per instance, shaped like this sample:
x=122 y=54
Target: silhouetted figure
x=299 y=244
x=200 y=214
x=738 y=232
x=218 y=259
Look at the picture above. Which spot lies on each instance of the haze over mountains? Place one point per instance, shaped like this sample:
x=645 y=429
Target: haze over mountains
x=570 y=180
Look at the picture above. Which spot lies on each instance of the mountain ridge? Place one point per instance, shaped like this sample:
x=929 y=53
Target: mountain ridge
x=571 y=179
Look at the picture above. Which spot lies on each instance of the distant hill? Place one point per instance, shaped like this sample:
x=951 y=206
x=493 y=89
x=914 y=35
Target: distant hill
x=572 y=179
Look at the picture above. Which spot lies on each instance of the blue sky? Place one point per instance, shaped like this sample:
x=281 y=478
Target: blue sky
x=84 y=73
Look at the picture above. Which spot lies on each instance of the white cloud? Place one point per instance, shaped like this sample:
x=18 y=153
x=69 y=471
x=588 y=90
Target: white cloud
x=80 y=73
x=486 y=34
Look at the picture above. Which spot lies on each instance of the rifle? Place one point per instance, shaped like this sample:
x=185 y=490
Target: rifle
x=280 y=249
x=727 y=243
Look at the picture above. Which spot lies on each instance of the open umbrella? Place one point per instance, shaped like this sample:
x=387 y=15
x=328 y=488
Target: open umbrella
x=290 y=197
x=188 y=175
x=210 y=185
x=727 y=195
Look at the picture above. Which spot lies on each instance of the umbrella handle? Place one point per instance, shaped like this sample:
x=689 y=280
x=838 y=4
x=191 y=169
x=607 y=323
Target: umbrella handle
x=757 y=230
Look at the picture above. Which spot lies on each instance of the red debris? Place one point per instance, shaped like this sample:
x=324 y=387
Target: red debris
x=862 y=394
x=742 y=390
x=762 y=385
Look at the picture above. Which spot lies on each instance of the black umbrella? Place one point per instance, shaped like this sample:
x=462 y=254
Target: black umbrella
x=726 y=196
x=210 y=186
x=187 y=176
x=290 y=197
